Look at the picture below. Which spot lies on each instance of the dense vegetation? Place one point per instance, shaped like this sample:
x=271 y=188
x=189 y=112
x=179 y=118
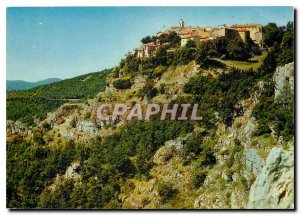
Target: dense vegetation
x=122 y=84
x=279 y=114
x=222 y=94
x=37 y=102
x=109 y=160
x=281 y=41
x=31 y=167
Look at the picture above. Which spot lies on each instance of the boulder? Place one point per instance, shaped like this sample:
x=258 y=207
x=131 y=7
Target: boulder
x=72 y=171
x=274 y=186
x=284 y=76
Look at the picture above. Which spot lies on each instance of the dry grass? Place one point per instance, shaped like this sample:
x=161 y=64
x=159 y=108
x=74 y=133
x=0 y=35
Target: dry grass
x=253 y=63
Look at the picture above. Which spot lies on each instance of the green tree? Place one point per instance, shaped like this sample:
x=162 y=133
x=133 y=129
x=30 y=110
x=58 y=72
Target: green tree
x=122 y=84
x=146 y=39
x=173 y=39
x=186 y=55
x=287 y=40
x=237 y=50
x=290 y=26
x=286 y=54
x=205 y=52
x=161 y=56
x=271 y=34
x=269 y=64
x=132 y=63
x=190 y=44
x=166 y=191
x=149 y=90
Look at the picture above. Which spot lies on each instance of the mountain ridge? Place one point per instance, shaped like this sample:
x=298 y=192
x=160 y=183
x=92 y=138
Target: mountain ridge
x=12 y=85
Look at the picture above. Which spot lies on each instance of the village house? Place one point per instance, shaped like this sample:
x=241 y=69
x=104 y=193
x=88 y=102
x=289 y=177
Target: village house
x=255 y=31
x=244 y=35
x=244 y=32
x=146 y=50
x=186 y=38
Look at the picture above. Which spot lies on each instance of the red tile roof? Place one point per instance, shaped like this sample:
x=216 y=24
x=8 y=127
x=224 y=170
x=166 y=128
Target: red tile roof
x=245 y=26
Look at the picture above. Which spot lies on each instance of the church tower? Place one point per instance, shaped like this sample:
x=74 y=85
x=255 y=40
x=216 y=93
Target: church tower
x=181 y=24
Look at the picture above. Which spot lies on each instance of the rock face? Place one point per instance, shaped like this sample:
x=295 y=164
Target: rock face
x=284 y=76
x=87 y=127
x=253 y=161
x=249 y=129
x=72 y=171
x=171 y=147
x=16 y=128
x=274 y=186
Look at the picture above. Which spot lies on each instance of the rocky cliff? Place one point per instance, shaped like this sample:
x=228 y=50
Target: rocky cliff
x=274 y=186
x=284 y=77
x=250 y=170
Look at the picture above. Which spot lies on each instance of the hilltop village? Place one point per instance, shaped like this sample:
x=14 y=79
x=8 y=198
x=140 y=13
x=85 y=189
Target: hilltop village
x=250 y=34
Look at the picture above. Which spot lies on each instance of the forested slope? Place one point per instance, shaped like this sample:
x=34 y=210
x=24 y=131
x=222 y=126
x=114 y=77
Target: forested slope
x=37 y=102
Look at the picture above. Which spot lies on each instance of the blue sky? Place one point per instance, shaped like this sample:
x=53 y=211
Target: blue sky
x=65 y=42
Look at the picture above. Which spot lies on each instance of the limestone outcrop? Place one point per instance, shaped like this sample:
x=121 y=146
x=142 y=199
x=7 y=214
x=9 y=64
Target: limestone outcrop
x=274 y=186
x=283 y=77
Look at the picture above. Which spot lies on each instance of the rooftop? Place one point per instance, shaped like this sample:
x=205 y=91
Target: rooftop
x=245 y=26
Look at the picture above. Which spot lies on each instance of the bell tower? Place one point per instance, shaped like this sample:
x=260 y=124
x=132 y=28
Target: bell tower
x=181 y=23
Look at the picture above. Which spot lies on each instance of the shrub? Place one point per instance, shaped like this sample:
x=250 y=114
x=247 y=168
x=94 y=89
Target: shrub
x=38 y=137
x=198 y=177
x=221 y=94
x=122 y=84
x=149 y=90
x=271 y=34
x=237 y=50
x=158 y=71
x=161 y=56
x=190 y=44
x=147 y=39
x=162 y=89
x=193 y=145
x=186 y=55
x=166 y=191
x=87 y=115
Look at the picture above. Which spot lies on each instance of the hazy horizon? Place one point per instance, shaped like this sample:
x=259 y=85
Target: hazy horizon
x=64 y=42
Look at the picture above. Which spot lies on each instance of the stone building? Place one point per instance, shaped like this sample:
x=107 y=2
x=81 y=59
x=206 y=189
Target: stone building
x=146 y=50
x=223 y=33
x=226 y=32
x=244 y=35
x=255 y=31
x=186 y=38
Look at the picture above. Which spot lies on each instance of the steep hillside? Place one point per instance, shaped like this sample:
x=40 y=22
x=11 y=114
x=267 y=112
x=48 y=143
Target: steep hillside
x=160 y=164
x=241 y=150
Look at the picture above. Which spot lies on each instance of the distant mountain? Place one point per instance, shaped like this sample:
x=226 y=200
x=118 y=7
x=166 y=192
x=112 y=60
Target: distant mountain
x=25 y=85
x=24 y=105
